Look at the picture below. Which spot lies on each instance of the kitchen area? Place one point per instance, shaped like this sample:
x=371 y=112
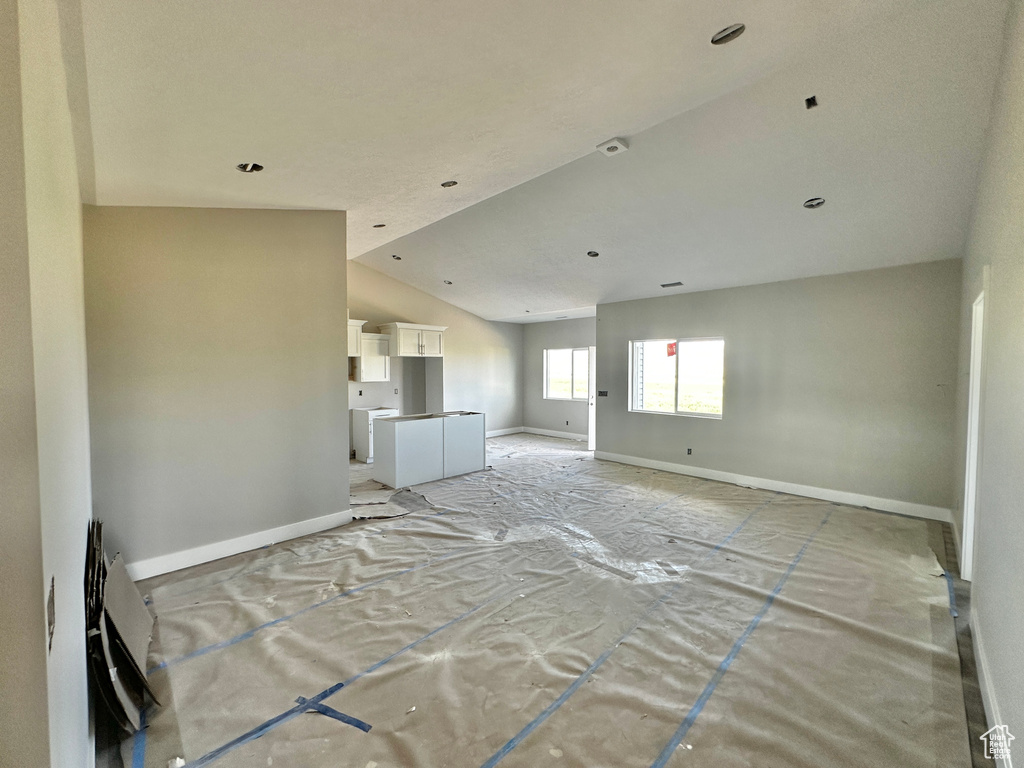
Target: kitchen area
x=398 y=423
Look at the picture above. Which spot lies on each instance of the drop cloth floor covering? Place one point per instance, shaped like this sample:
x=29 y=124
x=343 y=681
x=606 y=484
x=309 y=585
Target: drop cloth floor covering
x=555 y=611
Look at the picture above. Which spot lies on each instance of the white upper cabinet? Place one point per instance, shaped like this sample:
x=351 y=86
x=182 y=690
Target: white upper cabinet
x=374 y=364
x=412 y=340
x=355 y=333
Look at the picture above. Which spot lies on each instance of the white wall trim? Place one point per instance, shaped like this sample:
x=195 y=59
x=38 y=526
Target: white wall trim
x=842 y=497
x=553 y=433
x=508 y=431
x=988 y=697
x=155 y=566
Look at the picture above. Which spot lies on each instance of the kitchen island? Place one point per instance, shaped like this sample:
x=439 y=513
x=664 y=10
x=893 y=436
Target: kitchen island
x=409 y=450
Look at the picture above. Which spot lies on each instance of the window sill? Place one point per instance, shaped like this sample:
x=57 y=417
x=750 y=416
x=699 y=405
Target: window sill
x=713 y=416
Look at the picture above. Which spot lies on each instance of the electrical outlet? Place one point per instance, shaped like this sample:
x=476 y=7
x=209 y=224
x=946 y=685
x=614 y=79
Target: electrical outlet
x=689 y=451
x=396 y=390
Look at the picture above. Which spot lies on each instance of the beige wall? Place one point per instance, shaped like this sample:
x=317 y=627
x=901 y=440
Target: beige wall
x=217 y=372
x=997 y=241
x=844 y=383
x=24 y=733
x=482 y=360
x=553 y=414
x=44 y=491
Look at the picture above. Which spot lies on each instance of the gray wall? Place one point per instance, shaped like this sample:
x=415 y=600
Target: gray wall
x=844 y=383
x=997 y=241
x=44 y=485
x=553 y=414
x=217 y=372
x=482 y=360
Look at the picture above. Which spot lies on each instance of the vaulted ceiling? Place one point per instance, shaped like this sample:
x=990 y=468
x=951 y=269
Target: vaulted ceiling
x=368 y=106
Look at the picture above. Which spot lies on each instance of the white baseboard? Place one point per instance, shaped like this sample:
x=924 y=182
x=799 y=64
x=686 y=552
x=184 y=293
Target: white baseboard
x=988 y=698
x=500 y=432
x=154 y=566
x=554 y=433
x=842 y=497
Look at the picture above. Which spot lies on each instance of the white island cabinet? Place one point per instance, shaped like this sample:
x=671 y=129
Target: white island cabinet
x=410 y=450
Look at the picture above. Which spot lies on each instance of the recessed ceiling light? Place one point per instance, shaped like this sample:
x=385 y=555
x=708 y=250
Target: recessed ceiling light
x=593 y=254
x=379 y=226
x=447 y=184
x=814 y=202
x=396 y=258
x=563 y=317
x=447 y=282
x=249 y=167
x=671 y=285
x=728 y=34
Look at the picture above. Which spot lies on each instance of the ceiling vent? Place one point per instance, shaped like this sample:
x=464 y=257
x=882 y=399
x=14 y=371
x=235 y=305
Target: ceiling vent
x=613 y=147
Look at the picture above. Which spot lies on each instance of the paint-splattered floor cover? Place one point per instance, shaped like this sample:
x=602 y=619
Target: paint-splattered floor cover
x=555 y=610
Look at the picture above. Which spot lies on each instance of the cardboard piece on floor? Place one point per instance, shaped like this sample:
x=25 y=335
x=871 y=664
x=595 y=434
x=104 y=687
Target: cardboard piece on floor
x=127 y=611
x=129 y=695
x=119 y=629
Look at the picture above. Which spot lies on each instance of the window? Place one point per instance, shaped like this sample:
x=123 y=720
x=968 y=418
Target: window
x=566 y=374
x=684 y=376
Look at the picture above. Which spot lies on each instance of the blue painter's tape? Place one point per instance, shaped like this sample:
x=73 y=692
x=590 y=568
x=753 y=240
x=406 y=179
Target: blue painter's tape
x=250 y=633
x=264 y=728
x=723 y=667
x=139 y=743
x=298 y=709
x=549 y=710
x=323 y=709
x=952 y=595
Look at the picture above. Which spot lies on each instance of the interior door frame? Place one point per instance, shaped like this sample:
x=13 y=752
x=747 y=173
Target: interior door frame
x=592 y=401
x=970 y=506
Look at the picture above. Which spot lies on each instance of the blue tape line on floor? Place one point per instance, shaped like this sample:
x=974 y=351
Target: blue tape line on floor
x=323 y=709
x=952 y=595
x=549 y=710
x=269 y=725
x=139 y=743
x=723 y=667
x=250 y=633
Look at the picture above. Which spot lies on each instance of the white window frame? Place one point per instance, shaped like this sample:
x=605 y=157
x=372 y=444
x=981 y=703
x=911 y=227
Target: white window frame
x=634 y=379
x=572 y=375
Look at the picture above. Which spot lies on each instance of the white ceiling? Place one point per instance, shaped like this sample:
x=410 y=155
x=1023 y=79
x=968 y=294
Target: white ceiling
x=368 y=106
